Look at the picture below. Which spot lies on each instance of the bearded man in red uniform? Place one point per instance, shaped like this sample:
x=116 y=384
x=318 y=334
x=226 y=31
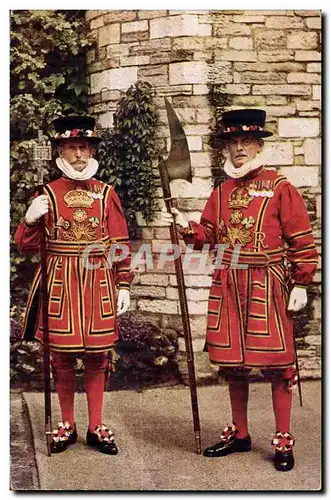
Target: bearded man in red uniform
x=79 y=210
x=258 y=213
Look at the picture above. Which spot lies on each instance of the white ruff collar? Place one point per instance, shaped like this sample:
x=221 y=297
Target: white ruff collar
x=237 y=173
x=88 y=172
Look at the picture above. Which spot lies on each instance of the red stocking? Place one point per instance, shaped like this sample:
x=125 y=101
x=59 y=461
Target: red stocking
x=94 y=380
x=282 y=401
x=64 y=369
x=239 y=390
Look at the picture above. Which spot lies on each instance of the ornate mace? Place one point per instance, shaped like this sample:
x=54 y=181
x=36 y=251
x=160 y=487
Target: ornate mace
x=41 y=153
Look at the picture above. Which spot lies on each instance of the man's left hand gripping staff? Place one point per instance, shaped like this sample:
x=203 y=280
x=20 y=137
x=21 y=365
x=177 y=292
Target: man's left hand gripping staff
x=123 y=301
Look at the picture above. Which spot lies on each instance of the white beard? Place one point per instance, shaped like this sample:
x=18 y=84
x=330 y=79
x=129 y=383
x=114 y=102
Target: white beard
x=248 y=166
x=88 y=172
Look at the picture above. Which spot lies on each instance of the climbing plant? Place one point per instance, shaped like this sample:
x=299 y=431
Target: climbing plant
x=126 y=154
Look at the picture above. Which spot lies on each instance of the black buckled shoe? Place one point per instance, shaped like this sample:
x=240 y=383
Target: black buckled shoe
x=284 y=458
x=229 y=443
x=62 y=437
x=103 y=439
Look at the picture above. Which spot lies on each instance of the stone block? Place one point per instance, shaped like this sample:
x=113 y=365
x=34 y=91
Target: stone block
x=312 y=151
x=118 y=50
x=106 y=120
x=188 y=72
x=173 y=90
x=287 y=67
x=200 y=159
x=194 y=143
x=200 y=294
x=204 y=115
x=157 y=292
x=200 y=188
x=307 y=13
x=252 y=19
x=236 y=89
x=197 y=307
x=154 y=279
x=317 y=92
x=231 y=29
x=308 y=105
x=278 y=153
x=200 y=129
x=134 y=60
x=174 y=26
x=96 y=23
x=276 y=55
x=198 y=281
x=241 y=43
x=314 y=23
x=151 y=14
x=302 y=40
x=158 y=306
x=198 y=101
x=236 y=55
x=200 y=89
x=248 y=100
x=202 y=172
x=302 y=176
x=265 y=39
x=304 y=78
x=314 y=67
x=288 y=89
x=258 y=67
x=276 y=100
x=275 y=111
x=134 y=36
x=284 y=22
x=191 y=205
x=219 y=72
x=298 y=127
x=109 y=34
x=307 y=55
x=198 y=324
x=91 y=14
x=299 y=150
x=254 y=77
x=148 y=233
x=204 y=30
x=119 y=16
x=134 y=26
x=114 y=79
x=151 y=47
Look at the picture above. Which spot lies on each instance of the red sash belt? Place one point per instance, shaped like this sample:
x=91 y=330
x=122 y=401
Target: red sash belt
x=253 y=259
x=97 y=248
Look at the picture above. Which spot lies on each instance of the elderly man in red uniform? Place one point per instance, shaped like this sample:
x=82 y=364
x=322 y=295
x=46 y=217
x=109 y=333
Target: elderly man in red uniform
x=79 y=210
x=250 y=305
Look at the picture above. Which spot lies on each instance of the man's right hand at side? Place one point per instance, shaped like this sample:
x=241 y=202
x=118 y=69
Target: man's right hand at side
x=37 y=209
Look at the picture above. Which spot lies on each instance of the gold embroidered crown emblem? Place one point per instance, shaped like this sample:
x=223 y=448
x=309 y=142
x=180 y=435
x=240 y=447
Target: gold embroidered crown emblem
x=78 y=198
x=239 y=198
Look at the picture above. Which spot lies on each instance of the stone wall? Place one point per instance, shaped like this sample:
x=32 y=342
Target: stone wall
x=266 y=59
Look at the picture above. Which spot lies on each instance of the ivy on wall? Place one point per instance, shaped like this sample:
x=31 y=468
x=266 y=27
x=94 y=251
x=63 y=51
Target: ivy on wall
x=126 y=154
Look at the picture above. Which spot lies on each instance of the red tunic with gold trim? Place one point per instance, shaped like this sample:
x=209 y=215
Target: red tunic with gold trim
x=248 y=323
x=82 y=299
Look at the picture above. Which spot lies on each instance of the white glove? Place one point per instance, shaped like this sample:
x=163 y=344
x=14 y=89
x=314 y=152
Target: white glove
x=167 y=219
x=37 y=209
x=123 y=301
x=298 y=299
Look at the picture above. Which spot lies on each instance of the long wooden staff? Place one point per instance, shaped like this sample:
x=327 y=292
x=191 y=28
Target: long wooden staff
x=42 y=152
x=178 y=166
